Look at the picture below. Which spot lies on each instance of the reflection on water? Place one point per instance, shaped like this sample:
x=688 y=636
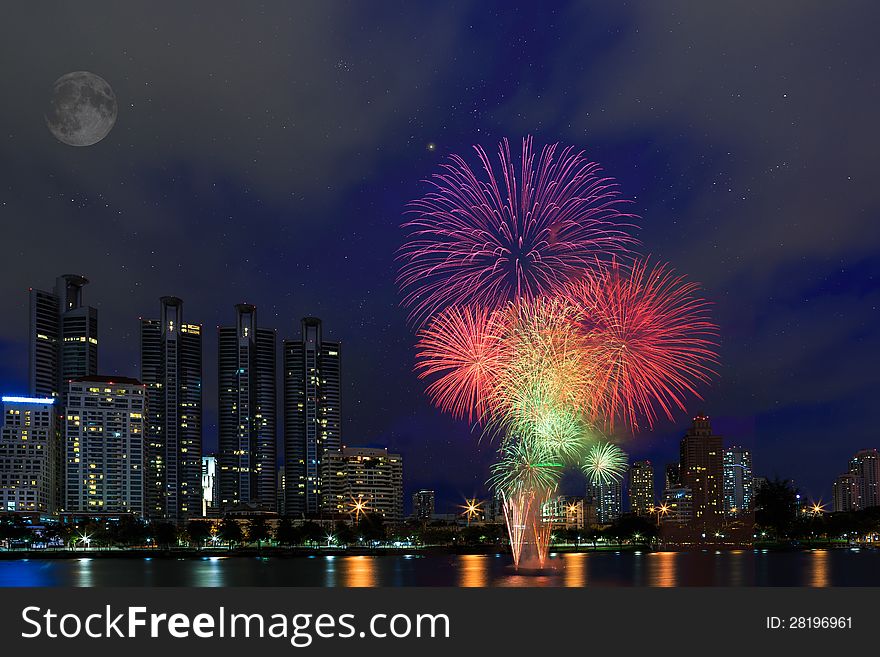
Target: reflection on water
x=817 y=568
x=662 y=569
x=575 y=574
x=819 y=576
x=473 y=570
x=360 y=571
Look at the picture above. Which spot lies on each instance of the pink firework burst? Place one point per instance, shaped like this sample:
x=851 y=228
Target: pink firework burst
x=462 y=348
x=652 y=337
x=520 y=230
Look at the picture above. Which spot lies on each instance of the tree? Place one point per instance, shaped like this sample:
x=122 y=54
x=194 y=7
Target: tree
x=164 y=533
x=286 y=533
x=257 y=530
x=198 y=532
x=344 y=533
x=372 y=527
x=230 y=531
x=313 y=533
x=776 y=507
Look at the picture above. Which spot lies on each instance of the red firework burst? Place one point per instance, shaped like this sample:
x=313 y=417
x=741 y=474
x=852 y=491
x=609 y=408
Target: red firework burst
x=462 y=348
x=652 y=337
x=517 y=232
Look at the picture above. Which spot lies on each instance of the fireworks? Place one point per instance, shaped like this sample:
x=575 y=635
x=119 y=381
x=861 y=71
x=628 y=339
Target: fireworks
x=605 y=463
x=518 y=231
x=651 y=337
x=525 y=465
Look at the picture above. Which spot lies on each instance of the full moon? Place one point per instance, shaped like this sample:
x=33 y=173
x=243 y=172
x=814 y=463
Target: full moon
x=82 y=109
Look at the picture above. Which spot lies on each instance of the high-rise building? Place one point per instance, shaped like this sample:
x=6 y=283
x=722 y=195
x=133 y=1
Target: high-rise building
x=171 y=368
x=28 y=455
x=247 y=410
x=845 y=493
x=369 y=476
x=104 y=445
x=607 y=499
x=312 y=417
x=866 y=466
x=641 y=488
x=63 y=339
x=702 y=469
x=738 y=480
x=423 y=504
x=565 y=512
x=280 y=486
x=210 y=486
x=679 y=503
x=673 y=475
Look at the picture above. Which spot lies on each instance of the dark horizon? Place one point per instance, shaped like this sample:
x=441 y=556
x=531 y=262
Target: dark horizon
x=269 y=159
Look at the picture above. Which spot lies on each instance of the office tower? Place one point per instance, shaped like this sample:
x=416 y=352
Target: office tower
x=565 y=512
x=279 y=492
x=607 y=499
x=866 y=466
x=104 y=445
x=641 y=488
x=673 y=475
x=171 y=368
x=738 y=480
x=63 y=339
x=679 y=503
x=210 y=487
x=702 y=468
x=371 y=477
x=312 y=419
x=28 y=459
x=423 y=504
x=248 y=442
x=845 y=493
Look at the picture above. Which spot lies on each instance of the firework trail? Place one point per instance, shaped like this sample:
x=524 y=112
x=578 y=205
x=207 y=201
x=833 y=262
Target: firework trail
x=605 y=464
x=652 y=339
x=520 y=230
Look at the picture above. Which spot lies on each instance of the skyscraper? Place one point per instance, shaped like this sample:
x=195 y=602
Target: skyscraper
x=738 y=480
x=210 y=486
x=371 y=476
x=423 y=504
x=248 y=439
x=641 y=488
x=171 y=368
x=312 y=418
x=702 y=471
x=28 y=459
x=63 y=339
x=845 y=493
x=866 y=466
x=673 y=475
x=104 y=445
x=608 y=500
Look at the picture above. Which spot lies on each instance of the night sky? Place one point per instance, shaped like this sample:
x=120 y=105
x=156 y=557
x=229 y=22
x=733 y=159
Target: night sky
x=265 y=153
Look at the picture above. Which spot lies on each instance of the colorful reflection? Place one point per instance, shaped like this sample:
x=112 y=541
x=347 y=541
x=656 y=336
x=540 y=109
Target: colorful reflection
x=473 y=570
x=360 y=571
x=820 y=568
x=663 y=569
x=575 y=573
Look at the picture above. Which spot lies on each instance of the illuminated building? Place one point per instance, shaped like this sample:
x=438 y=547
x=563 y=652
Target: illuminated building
x=279 y=492
x=312 y=417
x=607 y=499
x=679 y=502
x=171 y=368
x=63 y=339
x=246 y=413
x=566 y=512
x=845 y=493
x=738 y=484
x=104 y=446
x=702 y=468
x=641 y=488
x=210 y=486
x=28 y=461
x=866 y=466
x=673 y=475
x=423 y=504
x=370 y=477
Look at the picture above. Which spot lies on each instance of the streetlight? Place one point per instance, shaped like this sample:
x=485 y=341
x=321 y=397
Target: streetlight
x=663 y=510
x=358 y=506
x=471 y=509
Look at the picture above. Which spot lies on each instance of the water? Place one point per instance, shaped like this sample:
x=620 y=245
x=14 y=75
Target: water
x=733 y=568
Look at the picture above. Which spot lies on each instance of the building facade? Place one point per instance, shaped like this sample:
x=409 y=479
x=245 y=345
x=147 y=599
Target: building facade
x=641 y=488
x=423 y=505
x=738 y=480
x=104 y=445
x=566 y=512
x=63 y=337
x=679 y=502
x=312 y=418
x=171 y=368
x=29 y=459
x=607 y=498
x=371 y=477
x=865 y=465
x=210 y=487
x=845 y=493
x=247 y=411
x=702 y=470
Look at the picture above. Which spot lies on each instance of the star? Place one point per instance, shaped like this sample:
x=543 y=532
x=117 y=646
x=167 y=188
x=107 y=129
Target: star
x=431 y=147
